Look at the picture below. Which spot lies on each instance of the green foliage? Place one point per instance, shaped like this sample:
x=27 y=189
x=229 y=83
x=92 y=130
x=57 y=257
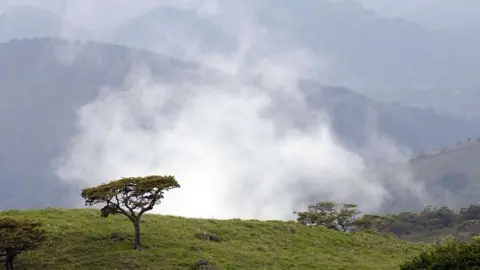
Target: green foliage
x=472 y=226
x=373 y=222
x=131 y=197
x=339 y=217
x=129 y=194
x=81 y=239
x=439 y=217
x=430 y=219
x=431 y=224
x=450 y=254
x=18 y=235
x=470 y=213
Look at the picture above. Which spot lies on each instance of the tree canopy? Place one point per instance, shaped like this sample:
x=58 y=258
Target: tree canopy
x=334 y=216
x=16 y=236
x=132 y=197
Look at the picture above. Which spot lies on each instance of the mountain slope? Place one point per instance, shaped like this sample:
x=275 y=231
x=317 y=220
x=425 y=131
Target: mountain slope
x=359 y=116
x=81 y=239
x=43 y=82
x=364 y=49
x=372 y=53
x=167 y=29
x=451 y=174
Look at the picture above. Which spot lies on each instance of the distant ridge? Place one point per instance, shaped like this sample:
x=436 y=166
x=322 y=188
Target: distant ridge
x=461 y=145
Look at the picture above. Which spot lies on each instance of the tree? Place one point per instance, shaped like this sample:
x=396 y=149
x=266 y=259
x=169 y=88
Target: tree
x=16 y=236
x=131 y=197
x=374 y=222
x=346 y=216
x=470 y=213
x=438 y=217
x=339 y=217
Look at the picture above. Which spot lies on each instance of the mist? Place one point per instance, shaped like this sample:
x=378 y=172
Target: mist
x=434 y=14
x=220 y=135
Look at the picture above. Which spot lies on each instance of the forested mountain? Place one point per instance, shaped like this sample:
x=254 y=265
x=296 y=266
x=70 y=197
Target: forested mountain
x=42 y=84
x=394 y=60
x=362 y=48
x=389 y=59
x=44 y=81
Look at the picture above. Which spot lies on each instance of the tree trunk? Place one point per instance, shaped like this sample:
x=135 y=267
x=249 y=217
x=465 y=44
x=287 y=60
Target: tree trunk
x=136 y=225
x=9 y=265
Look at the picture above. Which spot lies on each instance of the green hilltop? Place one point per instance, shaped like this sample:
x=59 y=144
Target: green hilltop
x=82 y=239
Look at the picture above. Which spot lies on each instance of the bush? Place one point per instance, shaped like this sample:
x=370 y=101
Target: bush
x=450 y=254
x=375 y=223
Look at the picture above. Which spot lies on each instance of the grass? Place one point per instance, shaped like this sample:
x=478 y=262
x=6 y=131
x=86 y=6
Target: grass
x=81 y=239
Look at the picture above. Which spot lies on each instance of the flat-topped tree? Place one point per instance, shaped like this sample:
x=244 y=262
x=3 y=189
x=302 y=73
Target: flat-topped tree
x=132 y=197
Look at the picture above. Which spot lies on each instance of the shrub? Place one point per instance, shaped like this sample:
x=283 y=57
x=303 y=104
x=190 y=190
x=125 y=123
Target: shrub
x=450 y=254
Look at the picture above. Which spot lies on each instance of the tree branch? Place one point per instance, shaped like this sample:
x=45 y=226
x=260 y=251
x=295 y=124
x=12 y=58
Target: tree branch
x=151 y=204
x=125 y=202
x=120 y=209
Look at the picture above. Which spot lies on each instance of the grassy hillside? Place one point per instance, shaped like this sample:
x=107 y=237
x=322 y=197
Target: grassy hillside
x=81 y=239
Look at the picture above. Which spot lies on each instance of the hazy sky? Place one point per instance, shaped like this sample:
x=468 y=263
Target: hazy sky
x=91 y=13
x=430 y=13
